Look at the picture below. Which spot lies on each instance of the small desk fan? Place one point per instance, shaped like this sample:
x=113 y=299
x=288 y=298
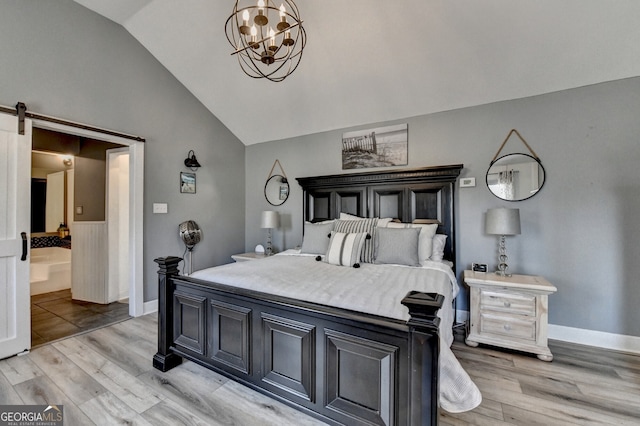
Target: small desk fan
x=191 y=234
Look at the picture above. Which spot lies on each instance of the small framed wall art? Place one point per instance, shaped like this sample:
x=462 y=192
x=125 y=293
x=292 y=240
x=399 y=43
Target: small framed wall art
x=187 y=183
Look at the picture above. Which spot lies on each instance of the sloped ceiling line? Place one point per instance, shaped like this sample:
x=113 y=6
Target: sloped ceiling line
x=368 y=62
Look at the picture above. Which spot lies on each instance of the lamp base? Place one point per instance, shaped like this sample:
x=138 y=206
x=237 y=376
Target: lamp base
x=269 y=250
x=502 y=258
x=502 y=273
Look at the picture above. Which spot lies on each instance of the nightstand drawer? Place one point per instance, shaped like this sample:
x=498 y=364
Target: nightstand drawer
x=521 y=328
x=521 y=304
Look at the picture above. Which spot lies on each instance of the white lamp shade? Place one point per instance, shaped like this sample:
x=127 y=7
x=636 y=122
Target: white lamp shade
x=270 y=219
x=502 y=221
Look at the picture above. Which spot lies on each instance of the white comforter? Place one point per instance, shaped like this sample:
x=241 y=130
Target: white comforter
x=374 y=289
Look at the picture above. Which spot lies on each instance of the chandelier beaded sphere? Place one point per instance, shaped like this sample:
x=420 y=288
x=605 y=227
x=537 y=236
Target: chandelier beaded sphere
x=268 y=40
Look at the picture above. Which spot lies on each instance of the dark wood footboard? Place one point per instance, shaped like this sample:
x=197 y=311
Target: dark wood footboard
x=338 y=365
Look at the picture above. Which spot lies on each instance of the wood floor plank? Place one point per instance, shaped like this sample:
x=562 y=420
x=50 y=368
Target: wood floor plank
x=43 y=391
x=75 y=383
x=109 y=344
x=19 y=369
x=170 y=413
x=129 y=389
x=519 y=416
x=472 y=418
x=605 y=406
x=613 y=396
x=489 y=408
x=556 y=408
x=596 y=356
x=107 y=410
x=146 y=330
x=8 y=395
x=247 y=407
x=146 y=344
x=189 y=385
x=564 y=368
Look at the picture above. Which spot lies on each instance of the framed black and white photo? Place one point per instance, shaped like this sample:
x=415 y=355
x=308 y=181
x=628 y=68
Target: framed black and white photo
x=378 y=147
x=187 y=183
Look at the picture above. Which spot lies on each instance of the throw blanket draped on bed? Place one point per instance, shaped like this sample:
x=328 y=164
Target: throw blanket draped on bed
x=373 y=289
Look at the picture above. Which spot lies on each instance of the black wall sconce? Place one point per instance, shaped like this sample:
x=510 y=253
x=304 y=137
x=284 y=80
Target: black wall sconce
x=191 y=161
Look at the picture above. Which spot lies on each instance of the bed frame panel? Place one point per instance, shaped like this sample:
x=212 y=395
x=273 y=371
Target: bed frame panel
x=341 y=366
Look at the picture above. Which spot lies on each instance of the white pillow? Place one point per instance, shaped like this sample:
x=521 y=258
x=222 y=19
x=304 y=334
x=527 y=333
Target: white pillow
x=425 y=244
x=347 y=216
x=439 y=241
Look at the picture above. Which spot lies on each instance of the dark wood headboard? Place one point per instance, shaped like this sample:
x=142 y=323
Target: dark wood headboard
x=423 y=195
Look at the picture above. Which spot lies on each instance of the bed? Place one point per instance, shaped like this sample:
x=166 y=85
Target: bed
x=325 y=330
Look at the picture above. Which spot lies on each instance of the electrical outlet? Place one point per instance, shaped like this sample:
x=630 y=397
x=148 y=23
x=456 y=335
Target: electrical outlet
x=160 y=208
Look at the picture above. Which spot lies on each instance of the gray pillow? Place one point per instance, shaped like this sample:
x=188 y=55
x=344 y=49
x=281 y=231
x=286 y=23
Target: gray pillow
x=316 y=237
x=397 y=245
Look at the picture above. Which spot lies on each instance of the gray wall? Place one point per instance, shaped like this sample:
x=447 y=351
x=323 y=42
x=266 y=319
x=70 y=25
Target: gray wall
x=581 y=231
x=66 y=61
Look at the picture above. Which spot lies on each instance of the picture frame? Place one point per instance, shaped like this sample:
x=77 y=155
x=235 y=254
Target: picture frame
x=187 y=183
x=375 y=147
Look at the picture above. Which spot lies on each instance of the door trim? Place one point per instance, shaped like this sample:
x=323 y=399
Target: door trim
x=136 y=205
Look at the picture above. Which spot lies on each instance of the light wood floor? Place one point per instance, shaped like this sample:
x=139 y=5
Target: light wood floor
x=99 y=382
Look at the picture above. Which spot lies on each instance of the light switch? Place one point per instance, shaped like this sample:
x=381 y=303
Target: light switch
x=160 y=208
x=467 y=182
x=79 y=209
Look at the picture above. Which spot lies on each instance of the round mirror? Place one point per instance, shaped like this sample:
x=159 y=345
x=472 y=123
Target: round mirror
x=515 y=177
x=276 y=190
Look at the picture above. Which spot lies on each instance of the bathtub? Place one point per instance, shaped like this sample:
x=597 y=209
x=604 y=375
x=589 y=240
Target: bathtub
x=50 y=269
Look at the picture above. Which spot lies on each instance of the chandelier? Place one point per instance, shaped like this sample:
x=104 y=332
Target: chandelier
x=268 y=40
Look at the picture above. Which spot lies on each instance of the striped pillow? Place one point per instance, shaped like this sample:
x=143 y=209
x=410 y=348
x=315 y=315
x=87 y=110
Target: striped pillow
x=345 y=248
x=368 y=226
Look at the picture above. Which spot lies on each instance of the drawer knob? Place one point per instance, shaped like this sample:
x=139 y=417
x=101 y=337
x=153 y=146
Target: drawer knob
x=507 y=327
x=507 y=304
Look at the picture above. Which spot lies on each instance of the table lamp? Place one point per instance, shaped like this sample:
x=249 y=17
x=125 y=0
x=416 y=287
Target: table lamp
x=270 y=220
x=502 y=221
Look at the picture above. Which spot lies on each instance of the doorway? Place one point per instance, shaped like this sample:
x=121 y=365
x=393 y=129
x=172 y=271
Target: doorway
x=135 y=189
x=62 y=306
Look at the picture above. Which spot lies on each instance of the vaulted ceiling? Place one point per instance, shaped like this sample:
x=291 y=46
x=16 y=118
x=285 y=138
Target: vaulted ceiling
x=370 y=61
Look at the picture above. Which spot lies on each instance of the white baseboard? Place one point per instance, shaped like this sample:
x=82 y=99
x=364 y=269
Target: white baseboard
x=618 y=342
x=150 y=307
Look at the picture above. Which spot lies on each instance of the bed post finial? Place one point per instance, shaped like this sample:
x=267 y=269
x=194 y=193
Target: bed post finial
x=165 y=360
x=424 y=347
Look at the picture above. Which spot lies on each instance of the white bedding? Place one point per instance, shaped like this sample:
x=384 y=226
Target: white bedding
x=374 y=289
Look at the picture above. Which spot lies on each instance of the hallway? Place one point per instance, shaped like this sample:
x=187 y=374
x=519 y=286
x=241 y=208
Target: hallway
x=54 y=316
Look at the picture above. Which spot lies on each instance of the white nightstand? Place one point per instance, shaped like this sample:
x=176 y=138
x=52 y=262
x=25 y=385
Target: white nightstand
x=243 y=257
x=510 y=312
